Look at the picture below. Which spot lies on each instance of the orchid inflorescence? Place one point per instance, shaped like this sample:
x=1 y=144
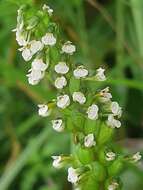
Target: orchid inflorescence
x=90 y=117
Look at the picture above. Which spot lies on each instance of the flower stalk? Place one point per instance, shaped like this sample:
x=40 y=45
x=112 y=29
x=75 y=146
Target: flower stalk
x=90 y=117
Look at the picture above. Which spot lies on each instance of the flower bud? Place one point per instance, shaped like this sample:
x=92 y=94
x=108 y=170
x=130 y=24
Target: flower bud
x=85 y=156
x=116 y=167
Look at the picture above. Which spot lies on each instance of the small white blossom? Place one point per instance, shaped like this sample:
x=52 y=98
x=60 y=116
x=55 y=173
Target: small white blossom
x=93 y=112
x=68 y=48
x=34 y=76
x=80 y=72
x=136 y=157
x=116 y=109
x=39 y=65
x=48 y=9
x=61 y=68
x=110 y=156
x=21 y=37
x=57 y=161
x=60 y=82
x=26 y=54
x=112 y=122
x=58 y=125
x=100 y=74
x=73 y=175
x=113 y=186
x=63 y=101
x=43 y=110
x=49 y=39
x=105 y=95
x=89 y=141
x=79 y=97
x=35 y=46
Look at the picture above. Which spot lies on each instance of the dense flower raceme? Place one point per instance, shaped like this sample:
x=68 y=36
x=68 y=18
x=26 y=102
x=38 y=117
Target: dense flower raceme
x=97 y=108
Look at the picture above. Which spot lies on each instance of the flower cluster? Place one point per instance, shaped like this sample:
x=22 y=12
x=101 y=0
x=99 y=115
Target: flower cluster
x=100 y=115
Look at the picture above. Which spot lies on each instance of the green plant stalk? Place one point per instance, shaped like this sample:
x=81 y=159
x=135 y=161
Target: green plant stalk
x=136 y=6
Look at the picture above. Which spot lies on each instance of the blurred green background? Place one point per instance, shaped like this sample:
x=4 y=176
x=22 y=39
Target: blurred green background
x=107 y=33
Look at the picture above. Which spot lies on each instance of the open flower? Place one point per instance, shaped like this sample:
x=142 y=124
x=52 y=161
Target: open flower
x=58 y=125
x=48 y=9
x=73 y=175
x=26 y=53
x=60 y=82
x=39 y=65
x=35 y=46
x=49 y=39
x=68 y=48
x=61 y=68
x=112 y=122
x=89 y=141
x=93 y=112
x=136 y=157
x=80 y=72
x=63 y=101
x=100 y=74
x=113 y=186
x=79 y=97
x=43 y=110
x=105 y=95
x=57 y=161
x=110 y=156
x=116 y=109
x=34 y=76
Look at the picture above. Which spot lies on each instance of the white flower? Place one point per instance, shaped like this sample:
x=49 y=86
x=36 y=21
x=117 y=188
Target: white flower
x=89 y=141
x=113 y=186
x=43 y=110
x=58 y=125
x=48 y=9
x=39 y=65
x=57 y=161
x=100 y=74
x=105 y=96
x=21 y=37
x=112 y=122
x=35 y=46
x=79 y=97
x=73 y=175
x=26 y=54
x=80 y=72
x=61 y=68
x=116 y=109
x=93 y=112
x=63 y=101
x=60 y=82
x=136 y=157
x=110 y=156
x=68 y=48
x=34 y=76
x=49 y=39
